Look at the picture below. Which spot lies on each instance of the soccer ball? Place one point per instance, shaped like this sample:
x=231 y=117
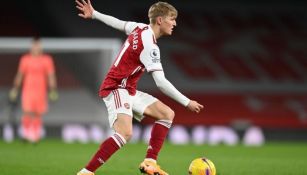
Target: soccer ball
x=202 y=166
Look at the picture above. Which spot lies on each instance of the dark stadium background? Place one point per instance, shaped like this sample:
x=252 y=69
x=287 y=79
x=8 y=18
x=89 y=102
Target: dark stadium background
x=246 y=62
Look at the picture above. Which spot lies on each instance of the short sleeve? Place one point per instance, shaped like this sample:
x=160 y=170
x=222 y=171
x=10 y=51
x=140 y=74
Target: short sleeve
x=49 y=65
x=150 y=56
x=22 y=64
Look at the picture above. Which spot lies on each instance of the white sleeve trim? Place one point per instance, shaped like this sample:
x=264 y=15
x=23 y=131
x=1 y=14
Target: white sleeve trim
x=109 y=20
x=168 y=89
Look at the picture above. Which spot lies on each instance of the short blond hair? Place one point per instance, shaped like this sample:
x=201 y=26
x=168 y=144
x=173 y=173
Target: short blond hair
x=161 y=9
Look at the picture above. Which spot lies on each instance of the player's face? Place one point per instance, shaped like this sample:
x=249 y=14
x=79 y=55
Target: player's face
x=168 y=24
x=36 y=48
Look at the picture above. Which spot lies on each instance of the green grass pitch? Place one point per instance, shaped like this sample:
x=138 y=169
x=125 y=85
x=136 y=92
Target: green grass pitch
x=53 y=157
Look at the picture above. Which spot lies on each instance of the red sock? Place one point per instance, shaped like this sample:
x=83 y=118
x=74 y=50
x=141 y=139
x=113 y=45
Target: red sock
x=26 y=122
x=158 y=135
x=37 y=128
x=106 y=150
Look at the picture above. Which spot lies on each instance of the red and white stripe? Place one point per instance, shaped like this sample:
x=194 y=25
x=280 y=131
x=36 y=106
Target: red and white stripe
x=136 y=70
x=166 y=123
x=120 y=140
x=117 y=100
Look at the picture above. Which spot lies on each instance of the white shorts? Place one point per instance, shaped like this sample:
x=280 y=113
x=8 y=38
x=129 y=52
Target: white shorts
x=119 y=101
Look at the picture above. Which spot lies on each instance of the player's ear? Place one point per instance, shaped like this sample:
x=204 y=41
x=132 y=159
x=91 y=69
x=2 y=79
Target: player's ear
x=159 y=20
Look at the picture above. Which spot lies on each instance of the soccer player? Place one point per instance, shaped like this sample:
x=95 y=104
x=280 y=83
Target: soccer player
x=140 y=52
x=35 y=71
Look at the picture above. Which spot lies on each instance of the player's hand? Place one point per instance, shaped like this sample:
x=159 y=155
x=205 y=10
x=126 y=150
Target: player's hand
x=13 y=94
x=53 y=95
x=194 y=106
x=86 y=9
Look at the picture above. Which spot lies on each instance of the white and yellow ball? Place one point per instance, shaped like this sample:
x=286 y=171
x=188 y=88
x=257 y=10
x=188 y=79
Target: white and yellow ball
x=202 y=166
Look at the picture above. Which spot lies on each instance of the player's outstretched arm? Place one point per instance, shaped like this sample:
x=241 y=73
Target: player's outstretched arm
x=88 y=12
x=168 y=89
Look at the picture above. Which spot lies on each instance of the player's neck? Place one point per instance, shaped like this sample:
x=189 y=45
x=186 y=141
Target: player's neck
x=35 y=54
x=156 y=30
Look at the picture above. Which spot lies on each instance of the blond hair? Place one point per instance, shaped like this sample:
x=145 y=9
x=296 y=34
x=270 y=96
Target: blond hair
x=162 y=9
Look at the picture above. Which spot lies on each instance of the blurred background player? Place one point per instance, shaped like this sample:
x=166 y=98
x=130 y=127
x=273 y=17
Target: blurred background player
x=118 y=90
x=35 y=74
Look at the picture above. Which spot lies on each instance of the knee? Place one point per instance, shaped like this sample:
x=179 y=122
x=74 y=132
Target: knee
x=127 y=134
x=170 y=115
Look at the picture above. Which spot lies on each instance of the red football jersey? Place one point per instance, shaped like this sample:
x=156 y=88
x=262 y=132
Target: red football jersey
x=138 y=53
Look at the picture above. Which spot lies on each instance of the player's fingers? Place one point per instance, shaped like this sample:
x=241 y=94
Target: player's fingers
x=80 y=8
x=79 y=3
x=83 y=1
x=81 y=15
x=197 y=110
x=89 y=2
